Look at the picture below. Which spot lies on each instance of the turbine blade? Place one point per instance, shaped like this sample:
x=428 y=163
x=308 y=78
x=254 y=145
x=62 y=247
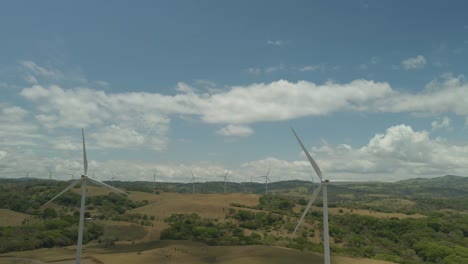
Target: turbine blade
x=107 y=186
x=64 y=190
x=312 y=199
x=311 y=160
x=268 y=172
x=85 y=158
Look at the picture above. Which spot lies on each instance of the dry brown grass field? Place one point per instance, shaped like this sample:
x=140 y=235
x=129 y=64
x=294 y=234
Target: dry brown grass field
x=11 y=218
x=372 y=213
x=178 y=252
x=161 y=206
x=206 y=205
x=336 y=210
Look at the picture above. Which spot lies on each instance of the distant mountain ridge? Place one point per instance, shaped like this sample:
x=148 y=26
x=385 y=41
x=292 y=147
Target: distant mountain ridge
x=448 y=184
x=447 y=181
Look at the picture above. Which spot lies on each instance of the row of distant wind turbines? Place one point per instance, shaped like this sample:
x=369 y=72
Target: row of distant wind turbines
x=85 y=179
x=51 y=172
x=225 y=181
x=193 y=180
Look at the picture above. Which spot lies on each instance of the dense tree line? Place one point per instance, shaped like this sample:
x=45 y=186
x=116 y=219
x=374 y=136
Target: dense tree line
x=51 y=232
x=441 y=238
x=58 y=226
x=256 y=220
x=193 y=227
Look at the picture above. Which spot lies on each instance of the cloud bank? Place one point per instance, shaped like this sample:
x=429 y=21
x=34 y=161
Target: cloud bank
x=141 y=120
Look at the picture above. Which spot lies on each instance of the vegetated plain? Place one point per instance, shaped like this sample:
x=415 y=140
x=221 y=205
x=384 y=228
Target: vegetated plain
x=411 y=221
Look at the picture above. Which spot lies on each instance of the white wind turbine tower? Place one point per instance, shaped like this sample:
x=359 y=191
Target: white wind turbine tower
x=83 y=180
x=193 y=182
x=267 y=179
x=225 y=179
x=154 y=181
x=50 y=174
x=323 y=185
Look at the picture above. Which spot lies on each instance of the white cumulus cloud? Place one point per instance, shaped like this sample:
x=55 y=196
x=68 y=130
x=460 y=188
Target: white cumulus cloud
x=235 y=130
x=439 y=124
x=413 y=63
x=57 y=107
x=398 y=153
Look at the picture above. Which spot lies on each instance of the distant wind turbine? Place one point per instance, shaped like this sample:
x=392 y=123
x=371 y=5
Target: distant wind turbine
x=113 y=179
x=225 y=179
x=72 y=175
x=154 y=181
x=267 y=179
x=50 y=174
x=193 y=182
x=83 y=180
x=27 y=175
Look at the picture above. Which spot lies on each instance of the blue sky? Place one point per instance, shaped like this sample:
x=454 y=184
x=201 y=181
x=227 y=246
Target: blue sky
x=376 y=90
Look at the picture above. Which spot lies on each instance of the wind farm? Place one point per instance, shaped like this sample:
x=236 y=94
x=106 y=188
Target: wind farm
x=155 y=212
x=234 y=132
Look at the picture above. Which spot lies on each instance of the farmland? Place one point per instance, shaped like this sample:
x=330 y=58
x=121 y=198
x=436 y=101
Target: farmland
x=392 y=224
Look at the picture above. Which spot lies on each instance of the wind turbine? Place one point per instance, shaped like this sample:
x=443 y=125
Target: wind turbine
x=83 y=180
x=154 y=181
x=323 y=185
x=50 y=174
x=225 y=180
x=193 y=182
x=27 y=175
x=72 y=175
x=113 y=179
x=266 y=181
